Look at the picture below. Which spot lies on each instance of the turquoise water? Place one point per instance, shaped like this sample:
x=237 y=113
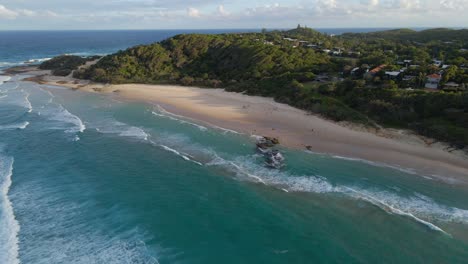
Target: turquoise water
x=86 y=178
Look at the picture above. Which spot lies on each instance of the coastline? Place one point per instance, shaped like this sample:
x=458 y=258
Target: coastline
x=295 y=128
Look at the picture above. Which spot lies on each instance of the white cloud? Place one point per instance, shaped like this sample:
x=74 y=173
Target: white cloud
x=454 y=4
x=193 y=12
x=7 y=13
x=241 y=13
x=222 y=11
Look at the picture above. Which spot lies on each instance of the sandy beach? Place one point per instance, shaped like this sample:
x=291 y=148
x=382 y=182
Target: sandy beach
x=293 y=127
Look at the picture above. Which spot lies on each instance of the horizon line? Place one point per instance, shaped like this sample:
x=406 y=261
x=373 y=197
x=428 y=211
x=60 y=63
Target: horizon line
x=260 y=28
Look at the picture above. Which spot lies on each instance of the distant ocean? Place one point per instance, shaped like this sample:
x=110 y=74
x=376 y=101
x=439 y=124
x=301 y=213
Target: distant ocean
x=88 y=178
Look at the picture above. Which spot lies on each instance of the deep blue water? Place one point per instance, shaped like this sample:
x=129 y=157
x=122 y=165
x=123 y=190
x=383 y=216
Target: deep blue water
x=88 y=178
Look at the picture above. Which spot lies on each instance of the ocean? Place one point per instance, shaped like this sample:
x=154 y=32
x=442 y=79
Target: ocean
x=88 y=178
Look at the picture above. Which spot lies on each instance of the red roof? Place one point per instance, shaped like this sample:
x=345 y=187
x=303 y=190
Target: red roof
x=434 y=76
x=378 y=68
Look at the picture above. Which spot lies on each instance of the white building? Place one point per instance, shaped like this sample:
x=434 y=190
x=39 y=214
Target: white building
x=433 y=81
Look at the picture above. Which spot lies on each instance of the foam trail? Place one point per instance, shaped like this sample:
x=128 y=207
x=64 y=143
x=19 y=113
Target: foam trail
x=391 y=209
x=21 y=126
x=134 y=132
x=181 y=119
x=166 y=114
x=73 y=119
x=418 y=207
x=9 y=226
x=226 y=130
x=115 y=127
x=377 y=164
x=34 y=61
x=3 y=96
x=220 y=161
x=27 y=102
x=4 y=78
x=184 y=156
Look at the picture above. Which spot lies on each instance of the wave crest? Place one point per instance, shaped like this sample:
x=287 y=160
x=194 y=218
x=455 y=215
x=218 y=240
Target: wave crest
x=9 y=226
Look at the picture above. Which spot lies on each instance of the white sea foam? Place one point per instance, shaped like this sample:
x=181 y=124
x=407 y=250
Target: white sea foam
x=68 y=117
x=65 y=226
x=59 y=113
x=182 y=155
x=389 y=208
x=3 y=96
x=4 y=78
x=111 y=126
x=34 y=61
x=417 y=207
x=134 y=132
x=163 y=113
x=21 y=125
x=9 y=226
x=376 y=164
x=28 y=104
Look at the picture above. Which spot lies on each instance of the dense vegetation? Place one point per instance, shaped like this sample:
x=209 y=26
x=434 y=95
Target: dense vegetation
x=323 y=74
x=65 y=64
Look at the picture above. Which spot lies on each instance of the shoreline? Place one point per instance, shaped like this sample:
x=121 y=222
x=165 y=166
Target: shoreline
x=295 y=128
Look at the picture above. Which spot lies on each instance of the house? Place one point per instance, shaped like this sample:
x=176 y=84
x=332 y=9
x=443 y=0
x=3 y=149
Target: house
x=436 y=62
x=374 y=71
x=433 y=81
x=445 y=66
x=392 y=74
x=337 y=52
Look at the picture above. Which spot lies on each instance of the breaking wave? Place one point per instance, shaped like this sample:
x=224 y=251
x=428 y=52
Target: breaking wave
x=121 y=129
x=9 y=226
x=28 y=104
x=4 y=78
x=417 y=207
x=60 y=114
x=161 y=112
x=22 y=125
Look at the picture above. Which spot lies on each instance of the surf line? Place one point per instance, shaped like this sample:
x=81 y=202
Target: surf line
x=9 y=227
x=392 y=210
x=182 y=119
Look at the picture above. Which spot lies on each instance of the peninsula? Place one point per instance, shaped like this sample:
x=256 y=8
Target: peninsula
x=367 y=96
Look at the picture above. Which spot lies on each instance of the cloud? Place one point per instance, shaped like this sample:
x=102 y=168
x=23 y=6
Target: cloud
x=193 y=12
x=222 y=11
x=240 y=13
x=454 y=4
x=6 y=13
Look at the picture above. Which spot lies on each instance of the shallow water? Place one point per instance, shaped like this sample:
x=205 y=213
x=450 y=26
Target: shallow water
x=98 y=180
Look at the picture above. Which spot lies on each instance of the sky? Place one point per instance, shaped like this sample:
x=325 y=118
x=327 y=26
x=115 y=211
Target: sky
x=212 y=14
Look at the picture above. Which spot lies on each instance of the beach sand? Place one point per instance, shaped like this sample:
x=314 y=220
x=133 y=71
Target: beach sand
x=293 y=127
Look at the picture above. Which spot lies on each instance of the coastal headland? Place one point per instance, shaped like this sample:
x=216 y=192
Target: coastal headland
x=254 y=115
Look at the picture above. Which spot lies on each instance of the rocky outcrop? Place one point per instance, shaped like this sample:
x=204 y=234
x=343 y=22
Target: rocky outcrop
x=273 y=157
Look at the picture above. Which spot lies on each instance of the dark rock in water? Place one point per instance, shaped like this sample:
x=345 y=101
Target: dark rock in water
x=273 y=140
x=309 y=148
x=273 y=157
x=267 y=142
